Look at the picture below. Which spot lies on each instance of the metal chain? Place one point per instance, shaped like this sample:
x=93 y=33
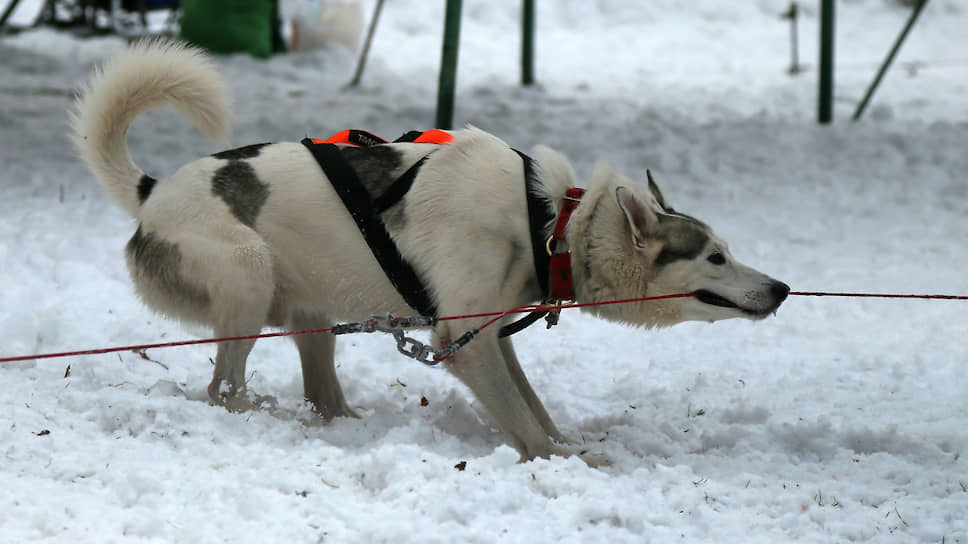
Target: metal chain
x=407 y=345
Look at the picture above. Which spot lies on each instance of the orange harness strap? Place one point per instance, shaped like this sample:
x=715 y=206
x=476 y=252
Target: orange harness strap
x=362 y=138
x=434 y=136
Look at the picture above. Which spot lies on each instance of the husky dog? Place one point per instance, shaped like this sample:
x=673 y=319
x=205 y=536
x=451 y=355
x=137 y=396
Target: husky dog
x=256 y=237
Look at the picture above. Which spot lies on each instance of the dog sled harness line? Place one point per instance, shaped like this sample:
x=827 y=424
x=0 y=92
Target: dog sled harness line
x=366 y=209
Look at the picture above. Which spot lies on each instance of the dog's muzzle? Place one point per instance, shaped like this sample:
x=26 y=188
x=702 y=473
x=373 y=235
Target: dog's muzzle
x=778 y=292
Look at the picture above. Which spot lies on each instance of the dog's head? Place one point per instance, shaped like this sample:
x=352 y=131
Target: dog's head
x=639 y=246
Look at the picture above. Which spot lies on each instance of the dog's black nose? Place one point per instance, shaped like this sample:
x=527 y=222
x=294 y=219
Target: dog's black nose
x=780 y=290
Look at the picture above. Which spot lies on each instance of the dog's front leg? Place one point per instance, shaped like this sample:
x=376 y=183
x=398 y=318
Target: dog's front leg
x=480 y=365
x=537 y=408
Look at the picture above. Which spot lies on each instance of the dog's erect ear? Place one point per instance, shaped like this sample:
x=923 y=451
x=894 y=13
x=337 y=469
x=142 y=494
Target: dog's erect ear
x=640 y=216
x=654 y=188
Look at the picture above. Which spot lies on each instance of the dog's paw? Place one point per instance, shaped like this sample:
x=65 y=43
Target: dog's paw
x=329 y=413
x=594 y=460
x=243 y=402
x=591 y=459
x=565 y=440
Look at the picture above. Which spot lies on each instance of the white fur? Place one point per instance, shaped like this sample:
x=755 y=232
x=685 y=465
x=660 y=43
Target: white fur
x=301 y=262
x=318 y=23
x=147 y=75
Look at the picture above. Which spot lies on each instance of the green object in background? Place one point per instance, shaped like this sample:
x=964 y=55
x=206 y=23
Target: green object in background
x=230 y=26
x=527 y=42
x=825 y=106
x=890 y=58
x=7 y=13
x=448 y=65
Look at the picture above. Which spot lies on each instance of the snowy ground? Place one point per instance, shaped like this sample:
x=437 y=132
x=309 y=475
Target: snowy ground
x=837 y=421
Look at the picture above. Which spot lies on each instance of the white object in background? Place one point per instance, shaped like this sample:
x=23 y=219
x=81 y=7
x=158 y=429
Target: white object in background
x=317 y=23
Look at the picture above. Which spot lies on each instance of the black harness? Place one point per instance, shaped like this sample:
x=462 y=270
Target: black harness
x=366 y=209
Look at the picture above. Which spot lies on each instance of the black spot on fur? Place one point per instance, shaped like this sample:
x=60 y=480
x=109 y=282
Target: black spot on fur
x=376 y=167
x=685 y=238
x=157 y=262
x=394 y=219
x=238 y=185
x=247 y=152
x=145 y=185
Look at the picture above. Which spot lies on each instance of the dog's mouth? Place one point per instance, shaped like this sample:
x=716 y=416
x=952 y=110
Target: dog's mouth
x=708 y=297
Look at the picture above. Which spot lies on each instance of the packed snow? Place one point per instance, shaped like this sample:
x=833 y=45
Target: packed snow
x=838 y=420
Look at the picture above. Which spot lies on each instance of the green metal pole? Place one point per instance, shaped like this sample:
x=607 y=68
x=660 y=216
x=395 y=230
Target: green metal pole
x=6 y=15
x=890 y=58
x=794 y=14
x=825 y=109
x=366 y=46
x=527 y=42
x=448 y=65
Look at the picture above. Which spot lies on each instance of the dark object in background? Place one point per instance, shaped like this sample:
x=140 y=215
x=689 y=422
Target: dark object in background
x=233 y=26
x=99 y=17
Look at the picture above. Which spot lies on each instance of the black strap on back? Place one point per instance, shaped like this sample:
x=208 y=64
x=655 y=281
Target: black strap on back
x=364 y=212
x=540 y=218
x=408 y=136
x=397 y=189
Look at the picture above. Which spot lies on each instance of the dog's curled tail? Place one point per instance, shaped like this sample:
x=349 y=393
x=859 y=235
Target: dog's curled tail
x=149 y=74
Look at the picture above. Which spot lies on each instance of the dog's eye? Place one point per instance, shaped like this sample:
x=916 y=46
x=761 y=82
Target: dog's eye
x=716 y=258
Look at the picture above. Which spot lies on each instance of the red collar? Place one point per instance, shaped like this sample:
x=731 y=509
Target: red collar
x=562 y=287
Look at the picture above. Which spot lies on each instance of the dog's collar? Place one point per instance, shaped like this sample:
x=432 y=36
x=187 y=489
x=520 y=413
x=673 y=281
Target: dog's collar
x=562 y=287
x=552 y=260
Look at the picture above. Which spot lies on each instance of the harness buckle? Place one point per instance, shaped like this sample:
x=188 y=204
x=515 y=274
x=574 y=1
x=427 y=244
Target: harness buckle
x=553 y=315
x=568 y=196
x=548 y=243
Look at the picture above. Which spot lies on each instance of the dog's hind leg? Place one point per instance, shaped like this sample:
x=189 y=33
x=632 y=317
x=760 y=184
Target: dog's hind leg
x=220 y=277
x=230 y=368
x=521 y=381
x=316 y=351
x=240 y=285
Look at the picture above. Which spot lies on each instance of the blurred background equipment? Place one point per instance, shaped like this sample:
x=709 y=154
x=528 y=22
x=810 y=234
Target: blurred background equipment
x=918 y=6
x=233 y=26
x=315 y=24
x=129 y=18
